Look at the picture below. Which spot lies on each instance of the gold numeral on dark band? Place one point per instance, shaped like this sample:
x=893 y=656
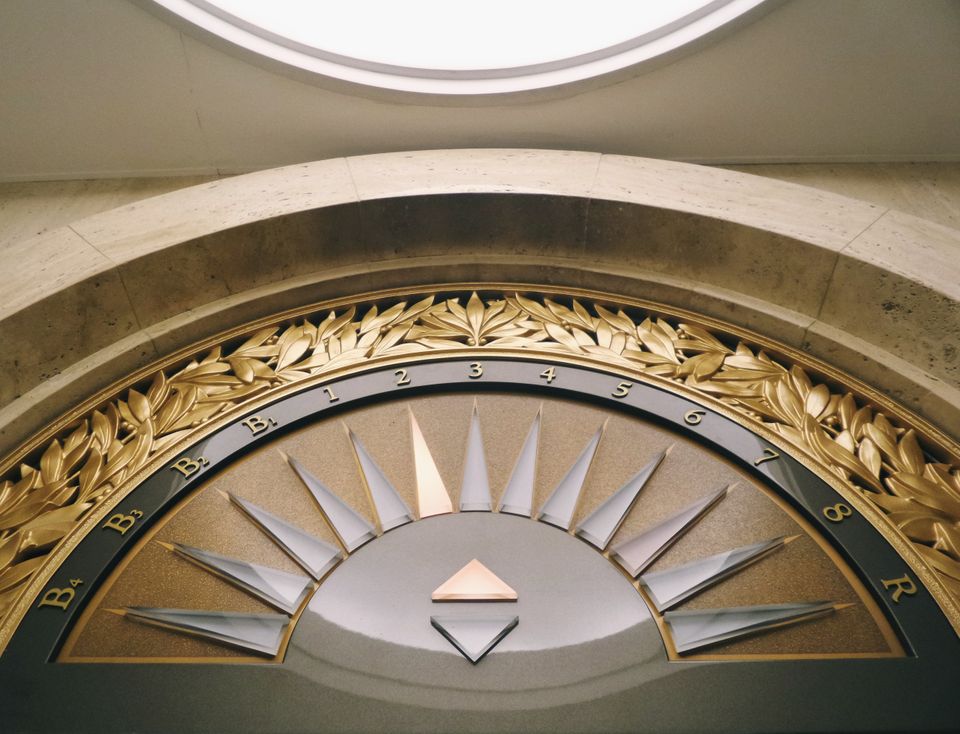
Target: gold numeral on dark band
x=476 y=370
x=837 y=512
x=256 y=424
x=549 y=374
x=402 y=378
x=900 y=586
x=188 y=467
x=122 y=523
x=622 y=389
x=693 y=417
x=332 y=398
x=768 y=455
x=60 y=598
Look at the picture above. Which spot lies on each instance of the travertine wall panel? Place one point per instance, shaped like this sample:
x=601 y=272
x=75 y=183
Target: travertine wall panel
x=927 y=190
x=898 y=284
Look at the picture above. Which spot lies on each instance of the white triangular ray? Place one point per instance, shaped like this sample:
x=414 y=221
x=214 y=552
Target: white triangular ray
x=474 y=582
x=475 y=492
x=315 y=556
x=642 y=550
x=261 y=633
x=278 y=588
x=352 y=529
x=562 y=503
x=391 y=509
x=474 y=637
x=670 y=587
x=432 y=495
x=517 y=498
x=604 y=521
x=695 y=629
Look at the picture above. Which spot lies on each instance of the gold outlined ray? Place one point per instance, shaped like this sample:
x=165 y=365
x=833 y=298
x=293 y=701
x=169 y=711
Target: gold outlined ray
x=475 y=490
x=432 y=495
x=699 y=628
x=280 y=589
x=311 y=553
x=561 y=505
x=262 y=633
x=517 y=498
x=350 y=528
x=672 y=586
x=391 y=510
x=640 y=551
x=604 y=521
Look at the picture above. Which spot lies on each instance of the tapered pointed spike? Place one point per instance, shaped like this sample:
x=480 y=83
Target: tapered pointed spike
x=603 y=522
x=636 y=554
x=674 y=585
x=313 y=555
x=262 y=633
x=702 y=627
x=474 y=637
x=118 y=612
x=432 y=495
x=389 y=505
x=349 y=526
x=283 y=590
x=562 y=503
x=517 y=498
x=167 y=546
x=474 y=582
x=475 y=492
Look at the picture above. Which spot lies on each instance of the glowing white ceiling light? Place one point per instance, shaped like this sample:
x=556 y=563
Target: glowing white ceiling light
x=442 y=46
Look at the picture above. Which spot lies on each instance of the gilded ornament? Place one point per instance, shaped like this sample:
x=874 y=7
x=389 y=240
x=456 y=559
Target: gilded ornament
x=874 y=452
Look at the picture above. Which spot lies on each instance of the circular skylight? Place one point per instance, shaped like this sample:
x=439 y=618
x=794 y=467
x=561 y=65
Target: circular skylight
x=442 y=46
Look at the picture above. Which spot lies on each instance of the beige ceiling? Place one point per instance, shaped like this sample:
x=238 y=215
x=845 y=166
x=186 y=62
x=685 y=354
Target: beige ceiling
x=92 y=88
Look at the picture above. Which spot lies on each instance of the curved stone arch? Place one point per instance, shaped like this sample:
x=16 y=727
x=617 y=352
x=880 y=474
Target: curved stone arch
x=872 y=291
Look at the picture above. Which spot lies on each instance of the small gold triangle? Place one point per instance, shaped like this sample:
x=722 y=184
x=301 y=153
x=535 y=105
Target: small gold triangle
x=474 y=582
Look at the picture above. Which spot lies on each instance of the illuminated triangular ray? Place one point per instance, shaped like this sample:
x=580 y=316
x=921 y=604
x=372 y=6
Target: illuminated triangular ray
x=474 y=582
x=474 y=637
x=432 y=496
x=603 y=522
x=280 y=589
x=699 y=628
x=391 y=509
x=475 y=492
x=261 y=633
x=315 y=556
x=642 y=550
x=352 y=529
x=518 y=496
x=670 y=587
x=562 y=503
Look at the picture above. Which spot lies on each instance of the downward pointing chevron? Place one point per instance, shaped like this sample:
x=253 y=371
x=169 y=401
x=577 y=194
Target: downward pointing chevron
x=474 y=637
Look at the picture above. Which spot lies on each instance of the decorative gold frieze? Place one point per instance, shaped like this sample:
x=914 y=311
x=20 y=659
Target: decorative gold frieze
x=872 y=449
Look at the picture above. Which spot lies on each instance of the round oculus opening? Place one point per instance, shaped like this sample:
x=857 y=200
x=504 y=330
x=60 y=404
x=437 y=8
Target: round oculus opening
x=438 y=47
